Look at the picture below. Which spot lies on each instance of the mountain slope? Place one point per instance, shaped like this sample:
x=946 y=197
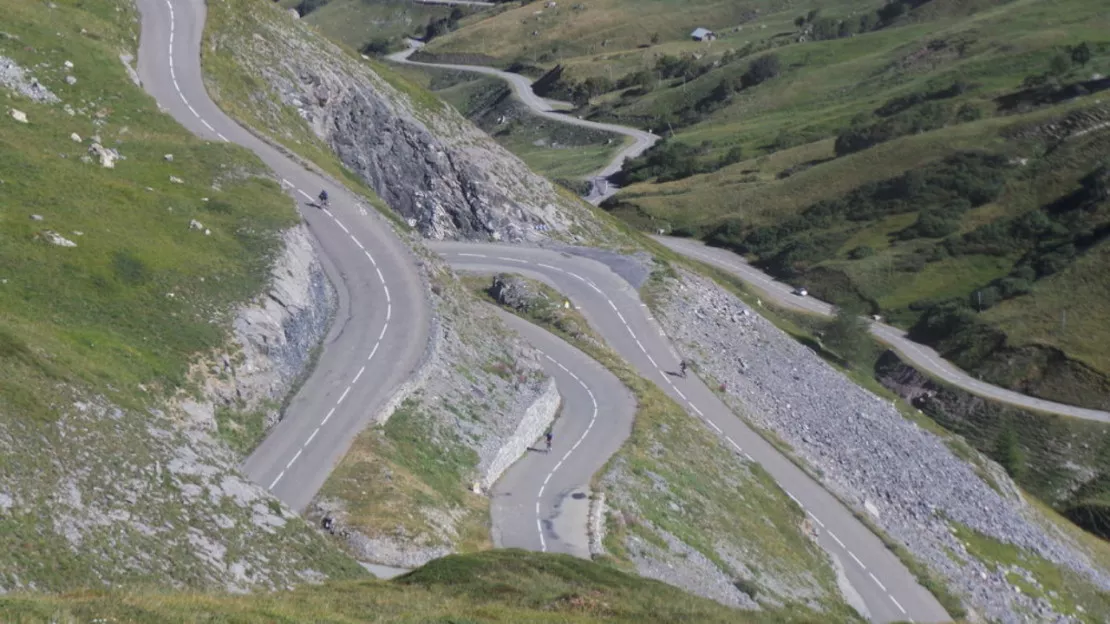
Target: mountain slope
x=793 y=110
x=428 y=163
x=117 y=282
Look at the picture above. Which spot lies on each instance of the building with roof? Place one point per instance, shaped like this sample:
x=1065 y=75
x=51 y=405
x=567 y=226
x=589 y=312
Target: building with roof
x=703 y=34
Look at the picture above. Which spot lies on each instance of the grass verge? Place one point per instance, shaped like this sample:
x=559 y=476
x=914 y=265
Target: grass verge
x=499 y=586
x=407 y=480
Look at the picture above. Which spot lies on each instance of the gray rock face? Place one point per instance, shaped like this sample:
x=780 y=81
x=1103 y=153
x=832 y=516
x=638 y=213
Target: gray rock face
x=274 y=337
x=424 y=159
x=866 y=451
x=17 y=79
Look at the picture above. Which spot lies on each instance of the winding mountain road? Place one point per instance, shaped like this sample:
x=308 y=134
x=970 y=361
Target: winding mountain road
x=920 y=356
x=614 y=309
x=554 y=488
x=382 y=323
x=381 y=331
x=601 y=189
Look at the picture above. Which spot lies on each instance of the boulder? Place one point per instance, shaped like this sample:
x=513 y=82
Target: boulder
x=57 y=239
x=514 y=292
x=19 y=116
x=107 y=156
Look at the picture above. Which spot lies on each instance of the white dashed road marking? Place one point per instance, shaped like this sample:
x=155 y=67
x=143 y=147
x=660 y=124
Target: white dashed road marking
x=342 y=226
x=593 y=419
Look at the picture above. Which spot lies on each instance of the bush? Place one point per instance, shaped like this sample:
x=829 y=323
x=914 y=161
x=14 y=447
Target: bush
x=379 y=47
x=761 y=70
x=923 y=118
x=670 y=160
x=860 y=253
x=847 y=335
x=307 y=6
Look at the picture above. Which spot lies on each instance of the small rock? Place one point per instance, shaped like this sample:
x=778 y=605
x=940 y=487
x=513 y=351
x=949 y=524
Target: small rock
x=71 y=80
x=195 y=225
x=168 y=157
x=68 y=64
x=107 y=156
x=19 y=116
x=75 y=137
x=57 y=239
x=69 y=110
x=36 y=217
x=176 y=180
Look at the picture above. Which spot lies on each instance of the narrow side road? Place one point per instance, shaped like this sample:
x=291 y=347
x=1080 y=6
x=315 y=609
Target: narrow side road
x=381 y=327
x=522 y=88
x=922 y=357
x=553 y=488
x=613 y=308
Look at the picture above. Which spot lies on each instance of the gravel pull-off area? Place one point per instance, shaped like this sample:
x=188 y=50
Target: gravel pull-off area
x=866 y=451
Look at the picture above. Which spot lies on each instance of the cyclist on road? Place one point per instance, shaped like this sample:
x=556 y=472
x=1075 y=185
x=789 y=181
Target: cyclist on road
x=324 y=199
x=548 y=439
x=682 y=368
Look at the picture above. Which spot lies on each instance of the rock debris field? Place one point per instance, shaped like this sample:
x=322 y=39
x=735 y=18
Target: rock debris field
x=868 y=453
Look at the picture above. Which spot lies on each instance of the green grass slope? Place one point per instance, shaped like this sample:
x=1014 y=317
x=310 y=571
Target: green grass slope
x=95 y=338
x=499 y=586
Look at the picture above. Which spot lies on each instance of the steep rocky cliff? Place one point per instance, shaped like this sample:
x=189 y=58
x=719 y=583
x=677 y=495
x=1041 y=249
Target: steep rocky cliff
x=426 y=161
x=274 y=338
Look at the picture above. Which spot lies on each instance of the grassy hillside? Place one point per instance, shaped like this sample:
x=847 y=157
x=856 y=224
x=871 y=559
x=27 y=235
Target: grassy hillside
x=501 y=586
x=107 y=294
x=792 y=117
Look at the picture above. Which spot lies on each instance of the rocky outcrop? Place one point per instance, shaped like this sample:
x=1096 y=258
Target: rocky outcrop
x=274 y=337
x=445 y=176
x=514 y=292
x=19 y=80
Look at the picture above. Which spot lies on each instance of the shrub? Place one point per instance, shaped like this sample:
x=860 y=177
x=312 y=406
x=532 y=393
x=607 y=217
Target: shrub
x=847 y=334
x=921 y=118
x=761 y=70
x=379 y=47
x=861 y=252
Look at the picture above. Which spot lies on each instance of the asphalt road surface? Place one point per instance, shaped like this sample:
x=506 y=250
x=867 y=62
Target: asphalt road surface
x=613 y=308
x=381 y=327
x=542 y=501
x=522 y=88
x=922 y=357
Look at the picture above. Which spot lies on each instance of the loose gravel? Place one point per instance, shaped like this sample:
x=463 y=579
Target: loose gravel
x=866 y=451
x=19 y=80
